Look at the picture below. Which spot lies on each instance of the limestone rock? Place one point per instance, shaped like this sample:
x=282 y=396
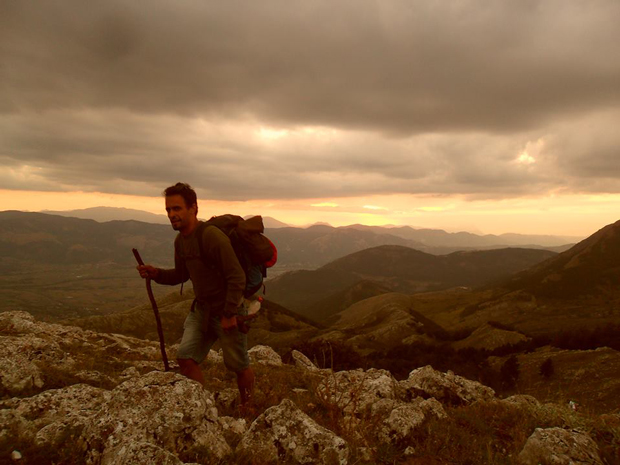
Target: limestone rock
x=33 y=350
x=17 y=322
x=165 y=409
x=232 y=429
x=265 y=355
x=20 y=355
x=301 y=361
x=139 y=453
x=561 y=447
x=522 y=400
x=433 y=407
x=130 y=372
x=284 y=434
x=445 y=387
x=49 y=418
x=215 y=357
x=356 y=391
x=403 y=419
x=226 y=398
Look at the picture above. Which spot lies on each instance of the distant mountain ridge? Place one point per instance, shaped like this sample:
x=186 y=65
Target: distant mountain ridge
x=105 y=214
x=441 y=238
x=358 y=236
x=43 y=238
x=321 y=293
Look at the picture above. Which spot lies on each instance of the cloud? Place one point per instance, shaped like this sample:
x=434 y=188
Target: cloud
x=120 y=152
x=255 y=100
x=399 y=67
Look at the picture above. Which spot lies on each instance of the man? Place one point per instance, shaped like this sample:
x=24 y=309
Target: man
x=218 y=284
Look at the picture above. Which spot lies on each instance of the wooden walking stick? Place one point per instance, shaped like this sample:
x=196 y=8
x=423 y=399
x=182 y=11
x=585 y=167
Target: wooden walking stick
x=160 y=331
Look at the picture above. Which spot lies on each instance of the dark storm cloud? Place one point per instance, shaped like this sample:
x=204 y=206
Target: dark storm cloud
x=399 y=66
x=411 y=96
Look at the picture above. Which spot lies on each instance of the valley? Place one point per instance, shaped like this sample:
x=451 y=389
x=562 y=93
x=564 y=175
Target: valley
x=69 y=291
x=381 y=305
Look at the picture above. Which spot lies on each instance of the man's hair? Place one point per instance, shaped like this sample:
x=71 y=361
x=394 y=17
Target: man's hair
x=184 y=190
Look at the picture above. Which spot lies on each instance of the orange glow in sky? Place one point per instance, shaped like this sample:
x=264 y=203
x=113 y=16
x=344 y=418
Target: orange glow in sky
x=569 y=215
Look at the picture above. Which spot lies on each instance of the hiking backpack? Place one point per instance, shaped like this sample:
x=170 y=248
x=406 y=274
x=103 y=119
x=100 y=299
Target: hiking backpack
x=254 y=250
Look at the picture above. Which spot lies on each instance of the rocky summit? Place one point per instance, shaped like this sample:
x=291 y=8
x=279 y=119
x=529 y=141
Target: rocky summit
x=74 y=396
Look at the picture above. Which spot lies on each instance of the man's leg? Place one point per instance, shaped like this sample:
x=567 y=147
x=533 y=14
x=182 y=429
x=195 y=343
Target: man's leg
x=245 y=382
x=191 y=369
x=235 y=349
x=194 y=346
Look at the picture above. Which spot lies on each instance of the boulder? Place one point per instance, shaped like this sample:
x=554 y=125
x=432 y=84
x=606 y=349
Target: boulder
x=355 y=391
x=284 y=434
x=49 y=418
x=561 y=447
x=139 y=453
x=226 y=398
x=18 y=322
x=165 y=409
x=522 y=400
x=232 y=429
x=20 y=372
x=265 y=355
x=303 y=362
x=447 y=388
x=403 y=419
x=215 y=357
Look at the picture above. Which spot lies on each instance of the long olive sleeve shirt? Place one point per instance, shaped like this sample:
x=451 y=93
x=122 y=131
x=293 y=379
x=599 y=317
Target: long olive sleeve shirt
x=218 y=280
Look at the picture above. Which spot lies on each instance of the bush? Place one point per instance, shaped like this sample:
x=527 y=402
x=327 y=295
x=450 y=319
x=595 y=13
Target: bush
x=509 y=373
x=547 y=369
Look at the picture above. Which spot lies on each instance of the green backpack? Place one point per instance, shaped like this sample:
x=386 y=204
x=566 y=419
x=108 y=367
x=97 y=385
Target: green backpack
x=253 y=249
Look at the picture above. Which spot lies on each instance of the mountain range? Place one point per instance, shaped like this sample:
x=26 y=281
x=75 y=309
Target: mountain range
x=105 y=214
x=27 y=237
x=575 y=290
x=320 y=294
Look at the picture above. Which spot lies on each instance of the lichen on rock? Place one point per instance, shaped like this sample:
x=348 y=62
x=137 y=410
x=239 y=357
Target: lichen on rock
x=447 y=388
x=284 y=434
x=560 y=446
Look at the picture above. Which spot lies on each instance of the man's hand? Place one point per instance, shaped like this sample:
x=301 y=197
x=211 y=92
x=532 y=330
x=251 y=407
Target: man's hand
x=229 y=324
x=148 y=271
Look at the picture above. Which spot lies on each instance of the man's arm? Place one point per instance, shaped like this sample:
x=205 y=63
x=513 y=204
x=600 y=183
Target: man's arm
x=171 y=277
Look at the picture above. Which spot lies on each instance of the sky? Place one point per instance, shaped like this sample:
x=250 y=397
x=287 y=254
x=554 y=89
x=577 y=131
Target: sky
x=483 y=116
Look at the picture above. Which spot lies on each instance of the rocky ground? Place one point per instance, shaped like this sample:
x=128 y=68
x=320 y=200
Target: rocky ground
x=73 y=396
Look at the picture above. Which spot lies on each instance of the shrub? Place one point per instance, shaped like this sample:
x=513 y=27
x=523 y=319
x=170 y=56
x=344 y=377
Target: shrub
x=546 y=368
x=509 y=373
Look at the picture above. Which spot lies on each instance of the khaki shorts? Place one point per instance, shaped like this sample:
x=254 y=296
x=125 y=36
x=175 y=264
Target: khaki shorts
x=200 y=331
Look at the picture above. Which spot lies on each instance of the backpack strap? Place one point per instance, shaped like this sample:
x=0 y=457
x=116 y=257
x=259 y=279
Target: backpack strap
x=200 y=229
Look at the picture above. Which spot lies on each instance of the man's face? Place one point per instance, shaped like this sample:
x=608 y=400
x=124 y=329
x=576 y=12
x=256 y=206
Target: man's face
x=179 y=214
